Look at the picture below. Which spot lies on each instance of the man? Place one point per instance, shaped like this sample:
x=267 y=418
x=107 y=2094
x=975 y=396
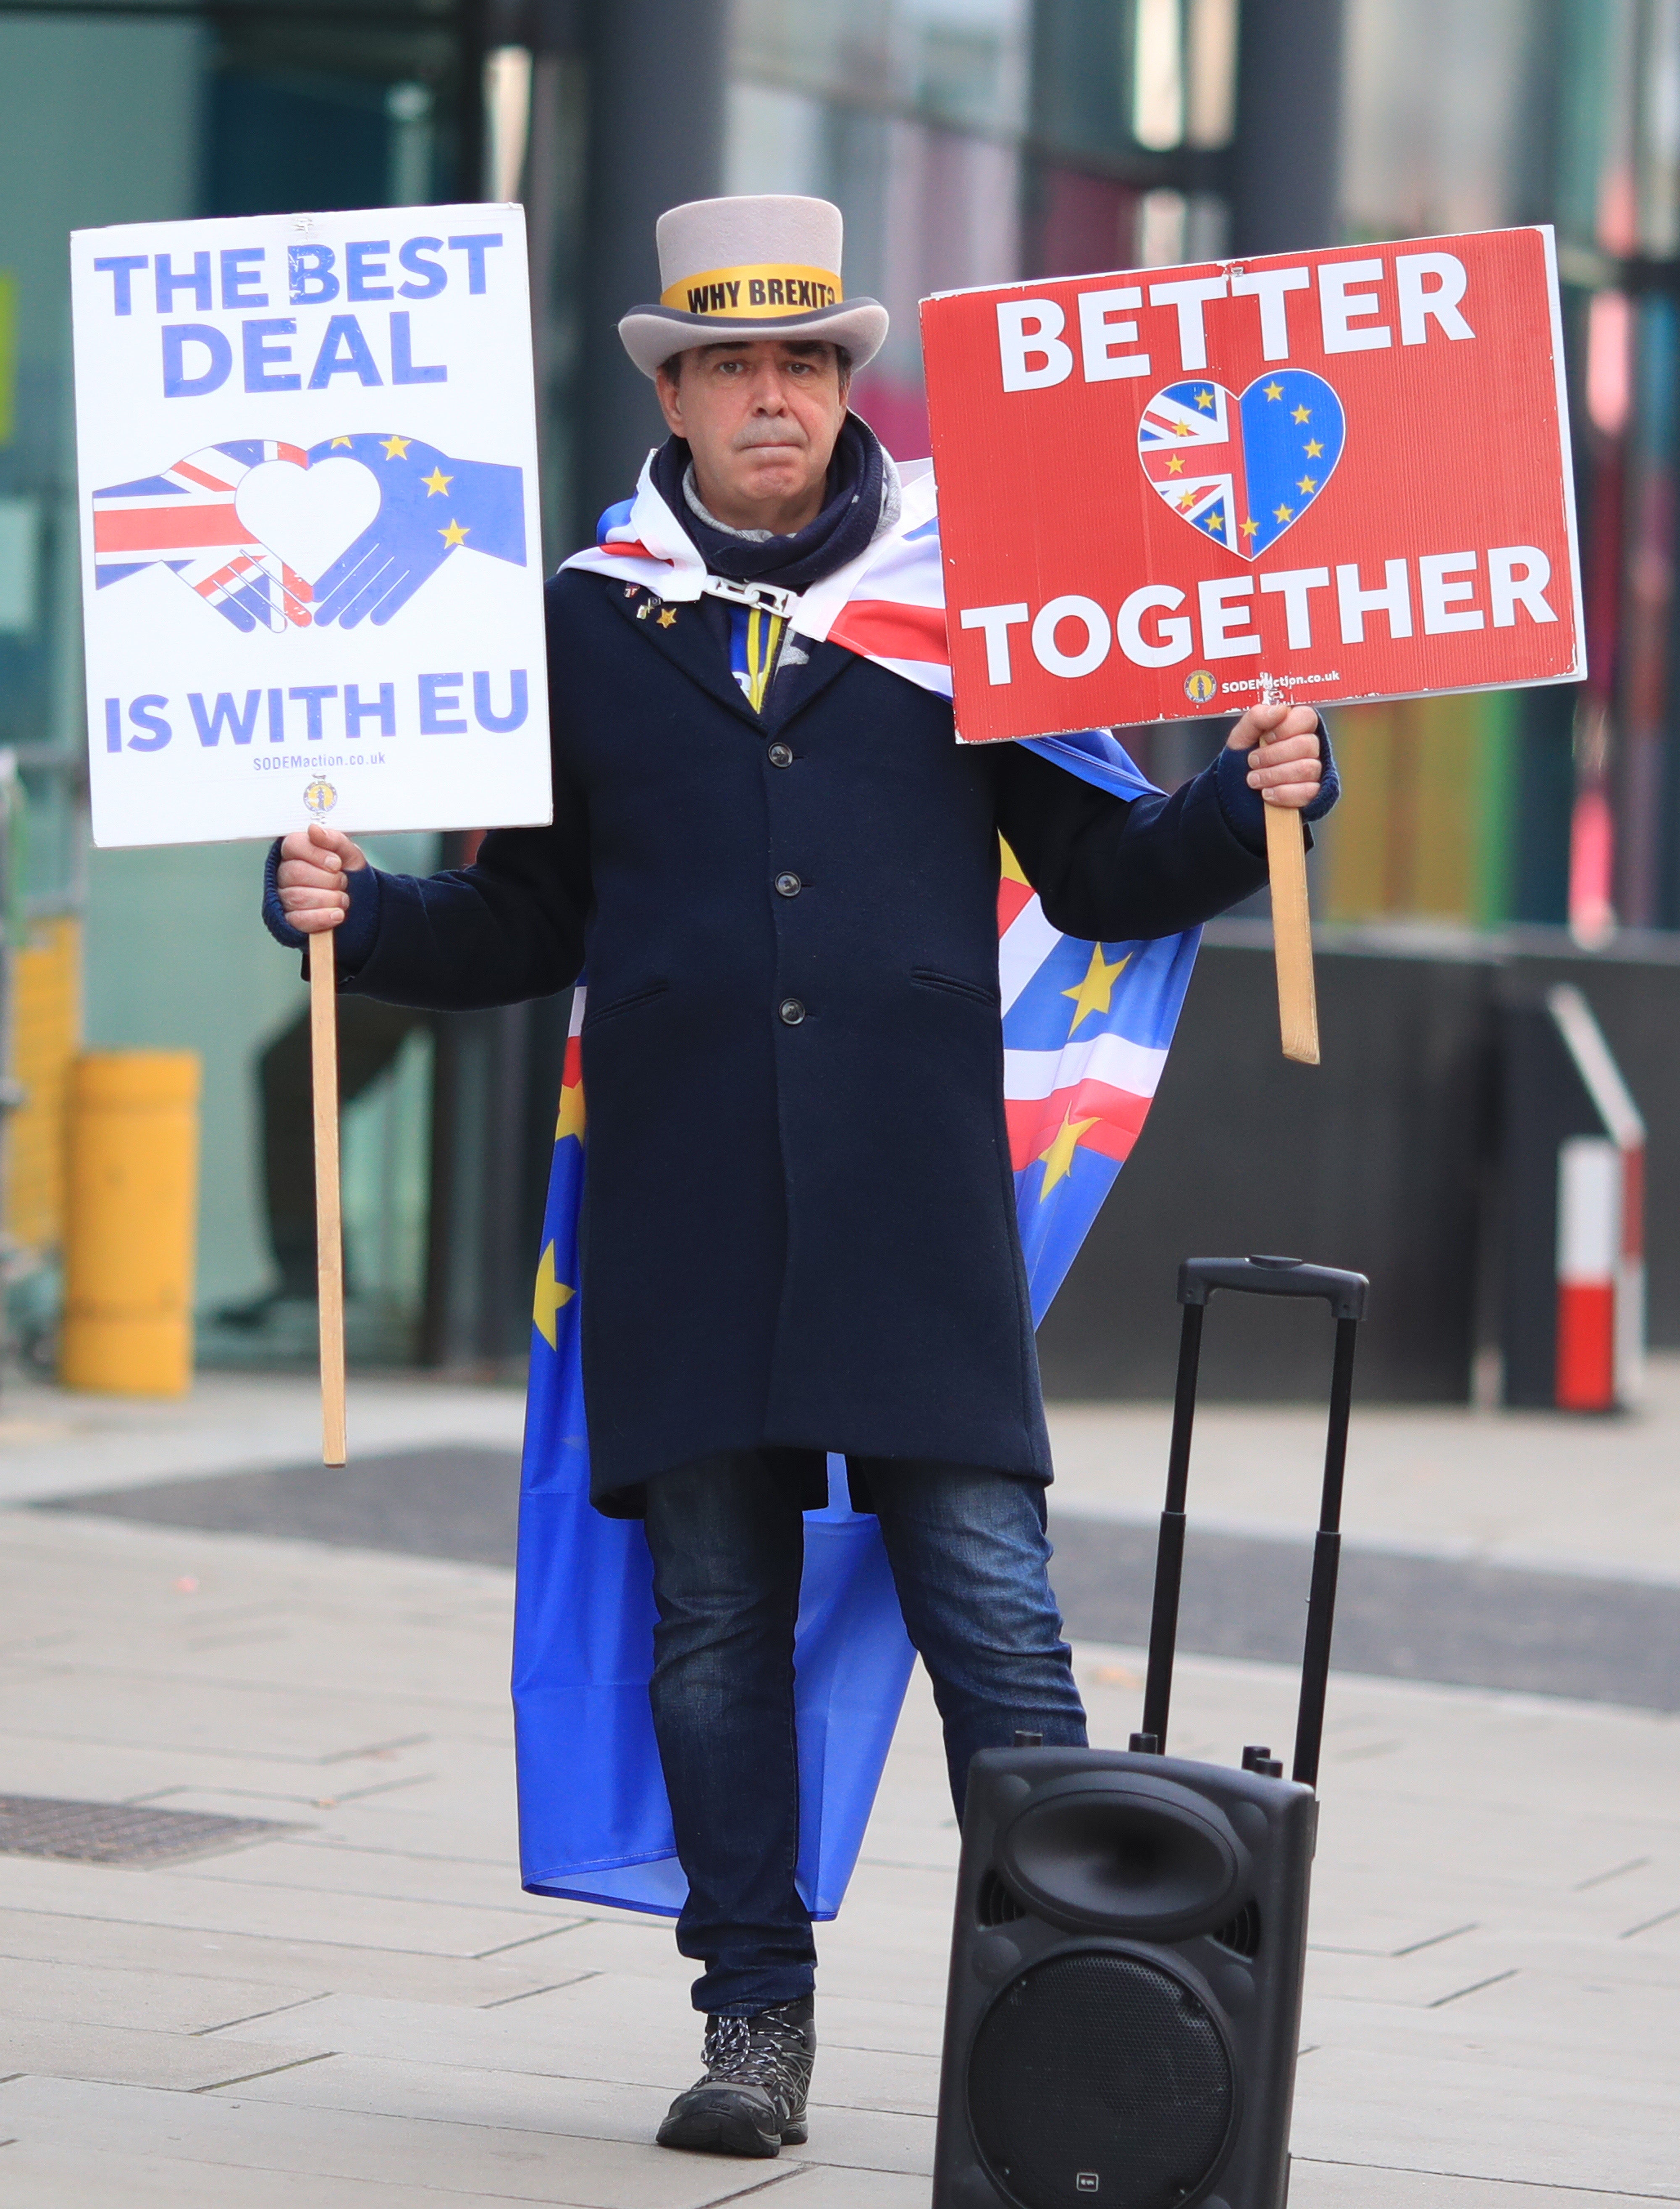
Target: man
x=799 y=1228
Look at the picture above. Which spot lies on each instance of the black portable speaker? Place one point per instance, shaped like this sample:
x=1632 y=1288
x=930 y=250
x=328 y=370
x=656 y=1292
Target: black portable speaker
x=1131 y=1935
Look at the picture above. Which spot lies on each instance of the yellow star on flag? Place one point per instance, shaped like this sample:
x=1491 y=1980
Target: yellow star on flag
x=1204 y=399
x=1302 y=414
x=1306 y=486
x=1250 y=528
x=572 y=1114
x=1215 y=522
x=1314 y=450
x=1057 y=1160
x=1185 y=500
x=396 y=448
x=1096 y=993
x=349 y=443
x=437 y=482
x=551 y=1294
x=1181 y=428
x=1175 y=465
x=1273 y=391
x=1283 y=513
x=453 y=535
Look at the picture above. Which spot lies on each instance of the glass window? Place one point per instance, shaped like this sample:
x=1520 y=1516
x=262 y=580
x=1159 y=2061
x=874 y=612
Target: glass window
x=961 y=62
x=123 y=117
x=1437 y=104
x=1082 y=62
x=916 y=117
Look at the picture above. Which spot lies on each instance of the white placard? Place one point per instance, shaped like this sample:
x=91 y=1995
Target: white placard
x=311 y=551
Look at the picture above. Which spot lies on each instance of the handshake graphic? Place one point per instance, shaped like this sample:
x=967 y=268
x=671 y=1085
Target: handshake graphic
x=428 y=506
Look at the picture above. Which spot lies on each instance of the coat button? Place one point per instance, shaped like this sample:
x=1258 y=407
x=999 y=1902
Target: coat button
x=789 y=886
x=779 y=755
x=792 y=1012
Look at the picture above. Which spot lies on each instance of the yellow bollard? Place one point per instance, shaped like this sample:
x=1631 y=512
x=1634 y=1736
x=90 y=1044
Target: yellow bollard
x=132 y=1218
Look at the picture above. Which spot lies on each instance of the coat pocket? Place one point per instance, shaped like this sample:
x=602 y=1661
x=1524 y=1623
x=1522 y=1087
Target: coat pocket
x=930 y=979
x=598 y=1015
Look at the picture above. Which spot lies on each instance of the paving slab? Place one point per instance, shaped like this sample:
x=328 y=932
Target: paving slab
x=429 y=1823
x=606 y=2027
x=1453 y=1619
x=62 y=1441
x=134 y=2056
x=160 y=1896
x=166 y=1713
x=61 y=1992
x=444 y=1500
x=1407 y=1616
x=232 y=2132
x=275 y=1963
x=1568 y=2124
x=384 y=1874
x=1317 y=2185
x=855 y=2134
x=1579 y=1494
x=38 y=1764
x=53 y=2175
x=822 y=2186
x=1467 y=1482
x=1493 y=1983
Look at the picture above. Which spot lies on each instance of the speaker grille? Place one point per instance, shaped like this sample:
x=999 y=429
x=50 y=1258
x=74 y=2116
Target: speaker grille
x=1095 y=2065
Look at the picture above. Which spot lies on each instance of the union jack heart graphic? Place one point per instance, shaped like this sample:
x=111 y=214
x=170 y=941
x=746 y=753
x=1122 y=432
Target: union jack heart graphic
x=1243 y=470
x=188 y=517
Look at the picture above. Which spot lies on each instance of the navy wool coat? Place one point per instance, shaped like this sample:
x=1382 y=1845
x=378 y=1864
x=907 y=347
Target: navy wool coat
x=798 y=1219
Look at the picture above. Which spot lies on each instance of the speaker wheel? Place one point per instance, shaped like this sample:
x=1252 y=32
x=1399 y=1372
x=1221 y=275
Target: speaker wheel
x=1100 y=2076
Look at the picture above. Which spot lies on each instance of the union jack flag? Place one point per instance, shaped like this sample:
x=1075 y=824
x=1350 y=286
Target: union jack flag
x=188 y=518
x=1184 y=440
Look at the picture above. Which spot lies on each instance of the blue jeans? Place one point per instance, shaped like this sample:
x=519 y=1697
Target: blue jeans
x=968 y=1555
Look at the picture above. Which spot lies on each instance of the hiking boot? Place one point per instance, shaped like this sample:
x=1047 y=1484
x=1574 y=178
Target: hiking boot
x=758 y=2074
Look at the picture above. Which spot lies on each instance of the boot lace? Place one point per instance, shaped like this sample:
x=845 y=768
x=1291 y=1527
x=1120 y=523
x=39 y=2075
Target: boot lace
x=768 y=2050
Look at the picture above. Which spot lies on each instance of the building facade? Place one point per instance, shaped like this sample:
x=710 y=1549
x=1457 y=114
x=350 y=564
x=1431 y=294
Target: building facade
x=968 y=141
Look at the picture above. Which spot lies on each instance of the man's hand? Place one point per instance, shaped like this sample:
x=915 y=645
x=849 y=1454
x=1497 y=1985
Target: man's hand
x=313 y=863
x=429 y=506
x=1286 y=766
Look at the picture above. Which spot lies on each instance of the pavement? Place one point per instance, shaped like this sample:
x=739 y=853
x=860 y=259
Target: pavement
x=345 y=1999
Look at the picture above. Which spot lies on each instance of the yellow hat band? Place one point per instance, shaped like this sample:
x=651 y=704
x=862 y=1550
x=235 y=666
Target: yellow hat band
x=750 y=294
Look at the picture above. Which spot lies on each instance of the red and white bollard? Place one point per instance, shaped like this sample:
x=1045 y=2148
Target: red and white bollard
x=1600 y=1279
x=1574 y=1140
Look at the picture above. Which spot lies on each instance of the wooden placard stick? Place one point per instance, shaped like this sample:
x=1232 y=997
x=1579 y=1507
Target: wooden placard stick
x=1292 y=927
x=1292 y=935
x=329 y=1211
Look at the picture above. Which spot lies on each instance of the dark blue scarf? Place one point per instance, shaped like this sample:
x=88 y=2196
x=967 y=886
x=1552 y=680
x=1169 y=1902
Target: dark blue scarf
x=845 y=527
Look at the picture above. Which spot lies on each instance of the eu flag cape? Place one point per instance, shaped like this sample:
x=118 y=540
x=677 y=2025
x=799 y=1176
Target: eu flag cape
x=1086 y=1028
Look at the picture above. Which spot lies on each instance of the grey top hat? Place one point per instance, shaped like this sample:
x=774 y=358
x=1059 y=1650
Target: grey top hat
x=767 y=266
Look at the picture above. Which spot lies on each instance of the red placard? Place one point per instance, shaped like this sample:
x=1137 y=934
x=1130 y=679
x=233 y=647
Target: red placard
x=1311 y=475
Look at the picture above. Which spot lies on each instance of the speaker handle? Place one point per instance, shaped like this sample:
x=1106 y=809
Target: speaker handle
x=1345 y=1293
x=1326 y=1559
x=1257 y=1276
x=1170 y=1546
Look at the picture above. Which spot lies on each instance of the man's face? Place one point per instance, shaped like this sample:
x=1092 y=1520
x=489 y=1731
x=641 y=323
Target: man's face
x=761 y=420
